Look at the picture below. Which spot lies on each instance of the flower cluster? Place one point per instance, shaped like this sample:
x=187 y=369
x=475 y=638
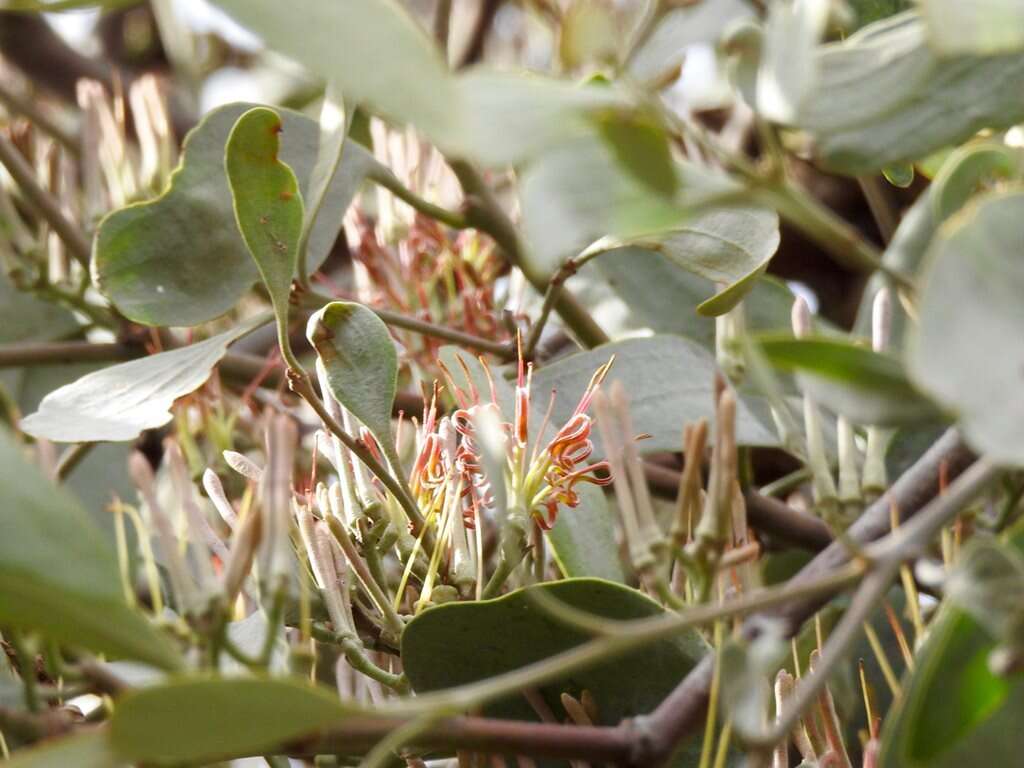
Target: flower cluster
x=451 y=452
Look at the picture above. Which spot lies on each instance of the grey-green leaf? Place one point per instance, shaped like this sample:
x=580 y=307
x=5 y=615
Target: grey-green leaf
x=361 y=363
x=268 y=207
x=512 y=631
x=119 y=402
x=203 y=720
x=849 y=379
x=58 y=574
x=179 y=259
x=885 y=97
x=89 y=749
x=577 y=193
x=977 y=27
x=967 y=351
x=345 y=43
x=669 y=381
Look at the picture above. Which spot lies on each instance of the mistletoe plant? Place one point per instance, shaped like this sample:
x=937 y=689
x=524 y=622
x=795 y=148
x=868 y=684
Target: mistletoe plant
x=457 y=415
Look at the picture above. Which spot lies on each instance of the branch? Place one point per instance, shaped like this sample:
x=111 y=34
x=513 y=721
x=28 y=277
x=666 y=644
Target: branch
x=43 y=203
x=771 y=516
x=481 y=734
x=682 y=711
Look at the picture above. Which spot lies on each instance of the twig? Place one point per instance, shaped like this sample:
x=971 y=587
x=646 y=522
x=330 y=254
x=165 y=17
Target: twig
x=682 y=710
x=881 y=208
x=505 y=351
x=905 y=543
x=498 y=348
x=71 y=458
x=551 y=295
x=43 y=203
x=475 y=49
x=25 y=107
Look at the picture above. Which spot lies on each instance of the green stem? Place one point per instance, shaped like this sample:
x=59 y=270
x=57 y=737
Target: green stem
x=485 y=213
x=362 y=572
x=302 y=385
x=390 y=182
x=274 y=617
x=836 y=236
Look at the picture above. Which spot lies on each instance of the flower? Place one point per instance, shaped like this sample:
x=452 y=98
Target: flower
x=450 y=455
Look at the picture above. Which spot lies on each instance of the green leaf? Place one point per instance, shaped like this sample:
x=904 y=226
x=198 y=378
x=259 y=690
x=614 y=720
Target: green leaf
x=884 y=97
x=850 y=379
x=268 y=207
x=509 y=119
x=900 y=175
x=359 y=356
x=788 y=68
x=966 y=172
x=180 y=259
x=344 y=44
x=207 y=719
x=971 y=170
x=683 y=27
x=669 y=380
x=955 y=711
x=512 y=631
x=979 y=27
x=25 y=318
x=59 y=576
x=967 y=350
x=334 y=125
x=583 y=538
x=641 y=146
x=493 y=118
x=90 y=749
x=577 y=193
x=119 y=402
x=634 y=291
x=951 y=694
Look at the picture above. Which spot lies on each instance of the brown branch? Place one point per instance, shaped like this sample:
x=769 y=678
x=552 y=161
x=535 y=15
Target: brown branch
x=679 y=714
x=771 y=516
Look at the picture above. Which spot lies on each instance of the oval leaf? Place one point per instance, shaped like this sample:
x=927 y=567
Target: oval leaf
x=361 y=362
x=58 y=575
x=119 y=402
x=512 y=631
x=883 y=97
x=180 y=259
x=268 y=207
x=670 y=381
x=85 y=750
x=967 y=349
x=208 y=719
x=849 y=379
